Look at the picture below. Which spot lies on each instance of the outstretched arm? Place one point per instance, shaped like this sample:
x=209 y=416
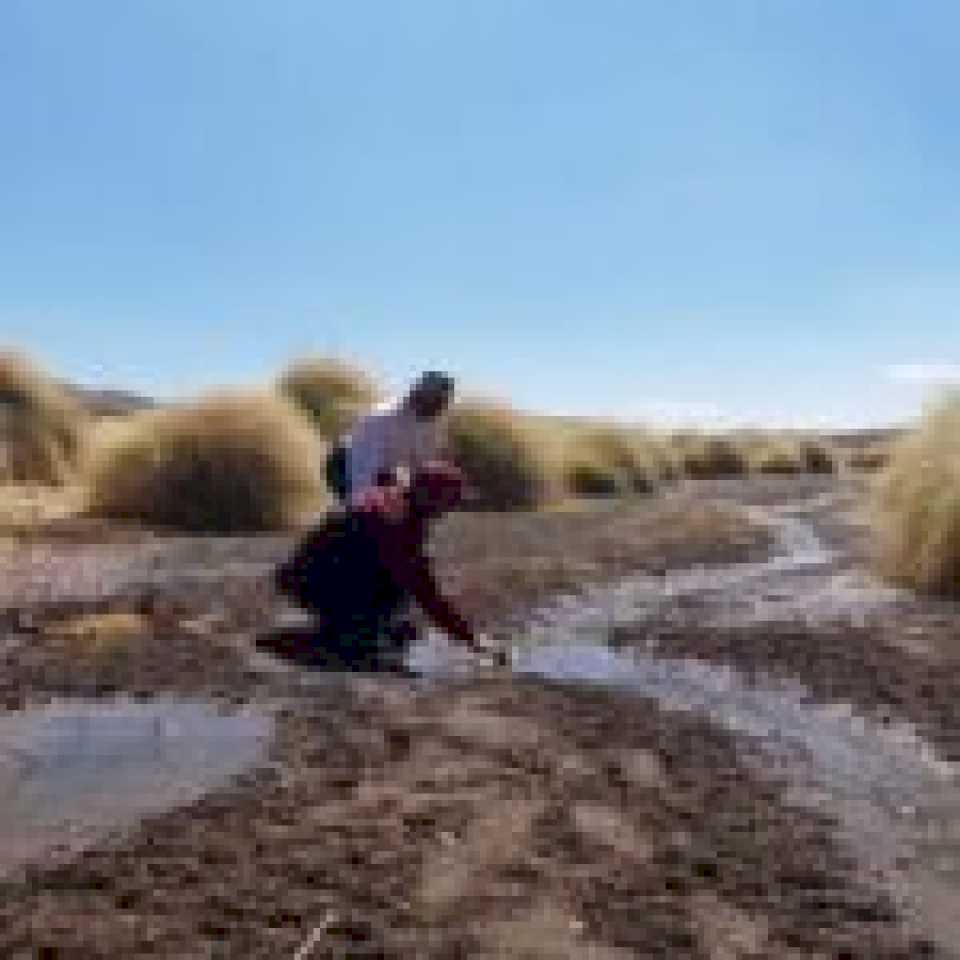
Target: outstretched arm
x=411 y=570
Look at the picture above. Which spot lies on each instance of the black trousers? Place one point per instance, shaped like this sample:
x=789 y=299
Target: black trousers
x=372 y=641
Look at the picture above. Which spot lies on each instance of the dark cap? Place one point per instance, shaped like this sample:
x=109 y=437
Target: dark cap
x=434 y=380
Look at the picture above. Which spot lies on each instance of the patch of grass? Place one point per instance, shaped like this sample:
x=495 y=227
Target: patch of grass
x=584 y=477
x=702 y=455
x=604 y=461
x=916 y=506
x=510 y=463
x=42 y=430
x=871 y=458
x=94 y=634
x=25 y=510
x=332 y=392
x=817 y=456
x=775 y=457
x=227 y=463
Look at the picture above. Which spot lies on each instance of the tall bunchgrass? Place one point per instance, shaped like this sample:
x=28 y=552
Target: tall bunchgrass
x=703 y=455
x=332 y=392
x=772 y=456
x=230 y=462
x=870 y=458
x=817 y=456
x=509 y=462
x=604 y=461
x=42 y=429
x=916 y=505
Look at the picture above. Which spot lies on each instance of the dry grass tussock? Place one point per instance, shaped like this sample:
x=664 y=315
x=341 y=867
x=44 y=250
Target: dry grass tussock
x=775 y=457
x=703 y=455
x=603 y=461
x=510 y=462
x=228 y=463
x=817 y=456
x=871 y=458
x=916 y=506
x=332 y=392
x=42 y=430
x=774 y=453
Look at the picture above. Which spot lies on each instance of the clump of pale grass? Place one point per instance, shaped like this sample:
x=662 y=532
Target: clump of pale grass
x=227 y=463
x=333 y=392
x=775 y=457
x=916 y=505
x=589 y=477
x=660 y=457
x=817 y=456
x=509 y=462
x=42 y=429
x=709 y=456
x=603 y=461
x=870 y=458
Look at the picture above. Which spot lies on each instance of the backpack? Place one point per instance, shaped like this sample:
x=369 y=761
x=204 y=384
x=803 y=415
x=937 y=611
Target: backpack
x=337 y=469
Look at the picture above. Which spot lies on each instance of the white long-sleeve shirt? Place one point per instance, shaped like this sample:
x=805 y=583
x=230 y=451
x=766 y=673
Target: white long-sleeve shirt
x=391 y=437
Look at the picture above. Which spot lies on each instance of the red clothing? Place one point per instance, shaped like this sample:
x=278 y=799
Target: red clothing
x=400 y=537
x=364 y=563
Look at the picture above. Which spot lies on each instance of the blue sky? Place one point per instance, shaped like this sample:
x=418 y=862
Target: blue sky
x=718 y=209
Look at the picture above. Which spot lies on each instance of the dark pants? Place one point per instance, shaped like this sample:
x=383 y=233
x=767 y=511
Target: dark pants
x=360 y=644
x=370 y=642
x=361 y=619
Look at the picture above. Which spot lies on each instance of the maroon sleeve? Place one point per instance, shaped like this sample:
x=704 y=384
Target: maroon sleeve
x=410 y=567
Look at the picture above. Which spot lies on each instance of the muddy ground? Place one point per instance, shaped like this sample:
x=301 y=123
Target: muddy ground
x=487 y=816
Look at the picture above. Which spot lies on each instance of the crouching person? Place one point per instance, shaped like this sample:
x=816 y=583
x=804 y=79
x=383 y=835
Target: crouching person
x=359 y=573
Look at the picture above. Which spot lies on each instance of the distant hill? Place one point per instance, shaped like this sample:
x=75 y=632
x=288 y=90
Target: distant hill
x=105 y=402
x=860 y=439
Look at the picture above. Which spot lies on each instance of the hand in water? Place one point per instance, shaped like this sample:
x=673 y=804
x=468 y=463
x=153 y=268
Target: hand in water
x=492 y=652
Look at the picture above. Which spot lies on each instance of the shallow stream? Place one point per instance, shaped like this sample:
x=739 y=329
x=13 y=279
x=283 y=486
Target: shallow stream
x=895 y=802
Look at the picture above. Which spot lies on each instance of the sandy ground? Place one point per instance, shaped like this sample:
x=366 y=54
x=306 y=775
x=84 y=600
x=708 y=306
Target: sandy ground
x=488 y=816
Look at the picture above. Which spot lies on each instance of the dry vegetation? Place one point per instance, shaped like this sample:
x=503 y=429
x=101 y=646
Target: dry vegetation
x=42 y=430
x=230 y=462
x=709 y=456
x=334 y=393
x=607 y=460
x=871 y=458
x=817 y=456
x=917 y=505
x=513 y=460
x=772 y=456
x=508 y=460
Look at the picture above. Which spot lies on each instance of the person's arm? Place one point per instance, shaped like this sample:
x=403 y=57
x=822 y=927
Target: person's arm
x=410 y=568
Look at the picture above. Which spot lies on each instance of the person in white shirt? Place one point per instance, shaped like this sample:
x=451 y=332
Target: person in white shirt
x=400 y=436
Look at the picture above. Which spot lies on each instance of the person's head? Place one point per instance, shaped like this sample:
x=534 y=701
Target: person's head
x=430 y=395
x=435 y=489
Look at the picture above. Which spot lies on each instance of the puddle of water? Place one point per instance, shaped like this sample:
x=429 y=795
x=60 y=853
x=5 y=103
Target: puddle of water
x=74 y=771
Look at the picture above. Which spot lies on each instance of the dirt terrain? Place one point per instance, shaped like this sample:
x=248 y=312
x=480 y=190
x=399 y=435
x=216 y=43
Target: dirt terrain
x=550 y=813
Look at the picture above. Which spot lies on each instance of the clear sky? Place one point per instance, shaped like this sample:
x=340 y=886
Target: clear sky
x=717 y=209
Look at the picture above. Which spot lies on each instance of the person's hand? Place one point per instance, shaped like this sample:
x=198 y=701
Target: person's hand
x=490 y=652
